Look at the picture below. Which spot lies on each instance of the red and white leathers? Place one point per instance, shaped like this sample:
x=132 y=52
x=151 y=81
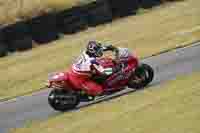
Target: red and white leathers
x=81 y=72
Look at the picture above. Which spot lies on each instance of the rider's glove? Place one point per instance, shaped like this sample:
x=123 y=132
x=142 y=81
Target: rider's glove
x=118 y=67
x=109 y=48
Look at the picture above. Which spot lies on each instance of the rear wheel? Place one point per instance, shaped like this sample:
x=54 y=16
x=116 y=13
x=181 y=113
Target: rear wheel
x=62 y=100
x=142 y=76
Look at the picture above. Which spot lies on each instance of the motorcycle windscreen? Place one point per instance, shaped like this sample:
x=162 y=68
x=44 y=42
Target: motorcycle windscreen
x=57 y=76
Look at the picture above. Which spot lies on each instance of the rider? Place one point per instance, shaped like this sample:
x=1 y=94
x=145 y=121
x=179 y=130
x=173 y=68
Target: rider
x=86 y=66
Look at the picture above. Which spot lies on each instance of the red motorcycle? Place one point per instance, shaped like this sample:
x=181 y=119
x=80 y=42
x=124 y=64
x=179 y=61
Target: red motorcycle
x=64 y=97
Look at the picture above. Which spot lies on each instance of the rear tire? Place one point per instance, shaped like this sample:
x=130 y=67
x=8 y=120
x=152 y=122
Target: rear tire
x=62 y=100
x=145 y=72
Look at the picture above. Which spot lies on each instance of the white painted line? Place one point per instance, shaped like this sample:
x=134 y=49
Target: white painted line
x=188 y=31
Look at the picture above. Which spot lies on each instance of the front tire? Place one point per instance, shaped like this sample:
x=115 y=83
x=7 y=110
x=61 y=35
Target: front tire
x=62 y=100
x=145 y=73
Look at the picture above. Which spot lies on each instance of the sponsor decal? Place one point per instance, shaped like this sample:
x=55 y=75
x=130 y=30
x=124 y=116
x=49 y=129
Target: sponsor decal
x=120 y=77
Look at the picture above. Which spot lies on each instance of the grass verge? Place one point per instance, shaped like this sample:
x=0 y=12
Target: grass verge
x=18 y=10
x=160 y=29
x=172 y=107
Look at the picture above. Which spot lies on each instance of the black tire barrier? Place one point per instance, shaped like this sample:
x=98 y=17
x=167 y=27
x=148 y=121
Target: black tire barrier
x=149 y=3
x=21 y=44
x=75 y=26
x=71 y=20
x=45 y=37
x=15 y=31
x=3 y=49
x=98 y=12
x=43 y=28
x=123 y=8
x=72 y=24
x=2 y=36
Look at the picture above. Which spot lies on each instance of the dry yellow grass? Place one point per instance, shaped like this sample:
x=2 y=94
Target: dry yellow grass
x=16 y=10
x=162 y=28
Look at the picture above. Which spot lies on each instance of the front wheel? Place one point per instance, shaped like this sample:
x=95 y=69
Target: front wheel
x=142 y=76
x=62 y=100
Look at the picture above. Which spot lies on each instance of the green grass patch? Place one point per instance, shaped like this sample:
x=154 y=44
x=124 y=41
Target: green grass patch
x=171 y=107
x=146 y=34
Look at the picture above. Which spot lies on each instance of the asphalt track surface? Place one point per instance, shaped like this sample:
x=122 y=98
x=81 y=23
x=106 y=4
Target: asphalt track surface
x=16 y=112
